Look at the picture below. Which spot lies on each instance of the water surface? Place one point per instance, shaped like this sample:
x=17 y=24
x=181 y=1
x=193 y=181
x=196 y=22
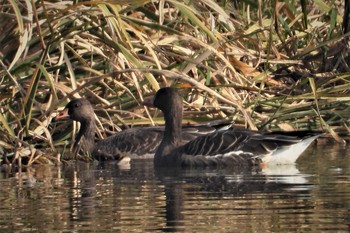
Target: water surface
x=312 y=196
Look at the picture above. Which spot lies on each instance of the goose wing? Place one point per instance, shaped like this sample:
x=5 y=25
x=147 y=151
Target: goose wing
x=134 y=143
x=220 y=148
x=190 y=133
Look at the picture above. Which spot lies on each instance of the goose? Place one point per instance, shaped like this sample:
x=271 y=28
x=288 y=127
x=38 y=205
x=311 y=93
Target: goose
x=133 y=143
x=231 y=147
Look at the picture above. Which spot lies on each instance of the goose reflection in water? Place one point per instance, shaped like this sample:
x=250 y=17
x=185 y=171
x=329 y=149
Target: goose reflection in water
x=181 y=183
x=105 y=193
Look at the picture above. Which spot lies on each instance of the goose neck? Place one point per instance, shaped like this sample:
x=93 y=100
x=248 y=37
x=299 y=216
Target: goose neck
x=86 y=136
x=173 y=123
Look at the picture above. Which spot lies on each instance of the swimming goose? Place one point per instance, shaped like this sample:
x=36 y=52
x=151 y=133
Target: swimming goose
x=134 y=143
x=232 y=147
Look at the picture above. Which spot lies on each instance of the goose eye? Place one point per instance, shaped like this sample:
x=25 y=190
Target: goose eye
x=77 y=105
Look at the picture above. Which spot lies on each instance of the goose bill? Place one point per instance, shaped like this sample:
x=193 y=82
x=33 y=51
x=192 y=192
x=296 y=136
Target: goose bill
x=148 y=102
x=63 y=115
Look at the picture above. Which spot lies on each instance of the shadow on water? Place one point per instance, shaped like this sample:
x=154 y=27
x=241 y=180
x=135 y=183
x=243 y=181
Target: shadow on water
x=312 y=196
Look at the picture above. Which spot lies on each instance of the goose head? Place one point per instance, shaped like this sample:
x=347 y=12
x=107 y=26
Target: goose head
x=78 y=110
x=167 y=100
x=82 y=111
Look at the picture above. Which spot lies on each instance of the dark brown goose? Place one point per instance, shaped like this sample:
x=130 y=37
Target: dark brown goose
x=232 y=147
x=134 y=143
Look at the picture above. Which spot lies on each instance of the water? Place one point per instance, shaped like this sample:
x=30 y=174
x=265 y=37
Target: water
x=313 y=196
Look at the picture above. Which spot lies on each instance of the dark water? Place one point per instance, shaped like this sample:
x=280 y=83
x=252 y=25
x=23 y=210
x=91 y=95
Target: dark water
x=313 y=196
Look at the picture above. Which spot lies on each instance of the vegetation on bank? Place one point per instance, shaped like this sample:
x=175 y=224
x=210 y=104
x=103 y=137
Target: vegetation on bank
x=268 y=65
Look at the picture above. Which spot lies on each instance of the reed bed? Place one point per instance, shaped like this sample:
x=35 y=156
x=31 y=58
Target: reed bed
x=265 y=65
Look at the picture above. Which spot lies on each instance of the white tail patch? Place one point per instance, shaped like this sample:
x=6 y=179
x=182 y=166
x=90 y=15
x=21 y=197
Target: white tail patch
x=288 y=154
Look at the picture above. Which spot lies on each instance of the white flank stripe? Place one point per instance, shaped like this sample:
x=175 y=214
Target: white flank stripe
x=231 y=153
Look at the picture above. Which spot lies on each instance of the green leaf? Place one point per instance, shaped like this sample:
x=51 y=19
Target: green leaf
x=6 y=125
x=333 y=22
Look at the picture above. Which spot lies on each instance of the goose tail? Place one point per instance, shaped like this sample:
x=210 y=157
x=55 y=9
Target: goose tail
x=288 y=154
